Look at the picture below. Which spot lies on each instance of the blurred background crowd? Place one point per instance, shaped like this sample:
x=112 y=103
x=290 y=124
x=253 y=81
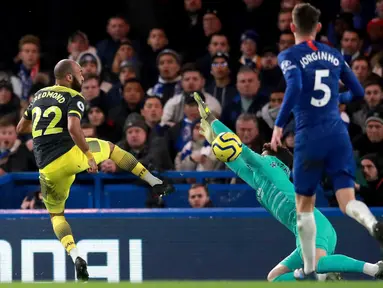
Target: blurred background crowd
x=142 y=59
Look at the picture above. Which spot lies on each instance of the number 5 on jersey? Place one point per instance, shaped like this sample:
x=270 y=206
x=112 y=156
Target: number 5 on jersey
x=51 y=129
x=320 y=86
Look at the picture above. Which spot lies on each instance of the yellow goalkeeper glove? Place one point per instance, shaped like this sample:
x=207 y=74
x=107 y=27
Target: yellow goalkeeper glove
x=207 y=131
x=204 y=111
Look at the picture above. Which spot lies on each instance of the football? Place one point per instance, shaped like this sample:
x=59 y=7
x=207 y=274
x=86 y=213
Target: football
x=227 y=147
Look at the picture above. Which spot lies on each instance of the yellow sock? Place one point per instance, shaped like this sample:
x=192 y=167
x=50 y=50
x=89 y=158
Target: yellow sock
x=128 y=162
x=63 y=232
x=123 y=159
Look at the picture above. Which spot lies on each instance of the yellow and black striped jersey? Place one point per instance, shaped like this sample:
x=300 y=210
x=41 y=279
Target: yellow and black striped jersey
x=49 y=112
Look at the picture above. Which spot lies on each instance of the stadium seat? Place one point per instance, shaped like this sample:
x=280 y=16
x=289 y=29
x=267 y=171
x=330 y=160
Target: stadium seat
x=82 y=196
x=123 y=196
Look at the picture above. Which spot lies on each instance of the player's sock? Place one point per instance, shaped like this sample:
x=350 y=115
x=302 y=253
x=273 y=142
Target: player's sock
x=342 y=263
x=307 y=234
x=74 y=254
x=128 y=162
x=322 y=277
x=64 y=234
x=360 y=212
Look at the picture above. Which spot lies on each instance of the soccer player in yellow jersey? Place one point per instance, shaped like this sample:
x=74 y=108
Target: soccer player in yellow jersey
x=61 y=150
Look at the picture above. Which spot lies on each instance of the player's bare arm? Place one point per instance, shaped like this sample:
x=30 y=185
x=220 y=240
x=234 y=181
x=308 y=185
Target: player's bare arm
x=24 y=126
x=74 y=128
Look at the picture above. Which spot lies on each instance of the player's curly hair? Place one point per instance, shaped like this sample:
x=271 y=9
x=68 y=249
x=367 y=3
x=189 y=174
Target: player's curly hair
x=283 y=154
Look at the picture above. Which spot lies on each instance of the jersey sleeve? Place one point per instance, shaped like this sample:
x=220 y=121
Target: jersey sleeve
x=349 y=79
x=28 y=112
x=252 y=158
x=293 y=77
x=76 y=106
x=345 y=97
x=219 y=127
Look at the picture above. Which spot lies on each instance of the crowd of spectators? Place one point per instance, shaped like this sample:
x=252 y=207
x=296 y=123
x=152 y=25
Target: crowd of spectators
x=137 y=94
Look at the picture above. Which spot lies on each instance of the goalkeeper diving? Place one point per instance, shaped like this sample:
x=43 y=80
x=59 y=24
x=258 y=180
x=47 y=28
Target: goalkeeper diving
x=269 y=175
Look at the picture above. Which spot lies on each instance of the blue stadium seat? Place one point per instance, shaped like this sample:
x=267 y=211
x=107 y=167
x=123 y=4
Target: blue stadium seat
x=222 y=195
x=123 y=196
x=233 y=195
x=90 y=191
x=17 y=195
x=81 y=196
x=178 y=199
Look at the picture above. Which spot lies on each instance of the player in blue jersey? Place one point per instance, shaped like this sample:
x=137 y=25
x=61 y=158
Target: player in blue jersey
x=312 y=72
x=268 y=174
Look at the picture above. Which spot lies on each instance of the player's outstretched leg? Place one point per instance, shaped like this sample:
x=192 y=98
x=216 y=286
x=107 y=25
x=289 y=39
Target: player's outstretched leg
x=360 y=212
x=64 y=234
x=328 y=267
x=341 y=170
x=290 y=269
x=128 y=162
x=342 y=263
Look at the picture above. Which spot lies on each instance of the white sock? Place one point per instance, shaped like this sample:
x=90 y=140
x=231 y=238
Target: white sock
x=307 y=234
x=370 y=269
x=74 y=254
x=360 y=212
x=322 y=277
x=151 y=180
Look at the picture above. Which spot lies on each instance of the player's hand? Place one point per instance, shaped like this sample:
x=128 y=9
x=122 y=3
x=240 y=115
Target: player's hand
x=163 y=189
x=92 y=166
x=204 y=111
x=207 y=131
x=276 y=139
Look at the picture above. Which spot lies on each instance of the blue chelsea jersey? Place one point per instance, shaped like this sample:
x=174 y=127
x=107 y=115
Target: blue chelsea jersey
x=312 y=71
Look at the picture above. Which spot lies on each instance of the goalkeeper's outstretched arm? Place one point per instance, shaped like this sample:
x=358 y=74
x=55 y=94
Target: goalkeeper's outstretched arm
x=249 y=155
x=212 y=127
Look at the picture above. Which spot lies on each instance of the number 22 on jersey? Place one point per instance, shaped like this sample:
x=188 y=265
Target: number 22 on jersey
x=51 y=129
x=320 y=86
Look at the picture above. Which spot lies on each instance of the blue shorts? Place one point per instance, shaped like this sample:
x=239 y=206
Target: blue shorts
x=315 y=157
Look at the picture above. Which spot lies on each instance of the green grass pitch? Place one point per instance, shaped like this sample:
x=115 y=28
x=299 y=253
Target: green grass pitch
x=202 y=284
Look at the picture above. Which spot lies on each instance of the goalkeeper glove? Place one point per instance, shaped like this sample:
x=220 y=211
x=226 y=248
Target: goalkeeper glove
x=204 y=111
x=207 y=131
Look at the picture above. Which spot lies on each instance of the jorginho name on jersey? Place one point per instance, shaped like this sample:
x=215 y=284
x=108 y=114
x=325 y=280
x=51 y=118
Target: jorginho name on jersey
x=312 y=71
x=318 y=56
